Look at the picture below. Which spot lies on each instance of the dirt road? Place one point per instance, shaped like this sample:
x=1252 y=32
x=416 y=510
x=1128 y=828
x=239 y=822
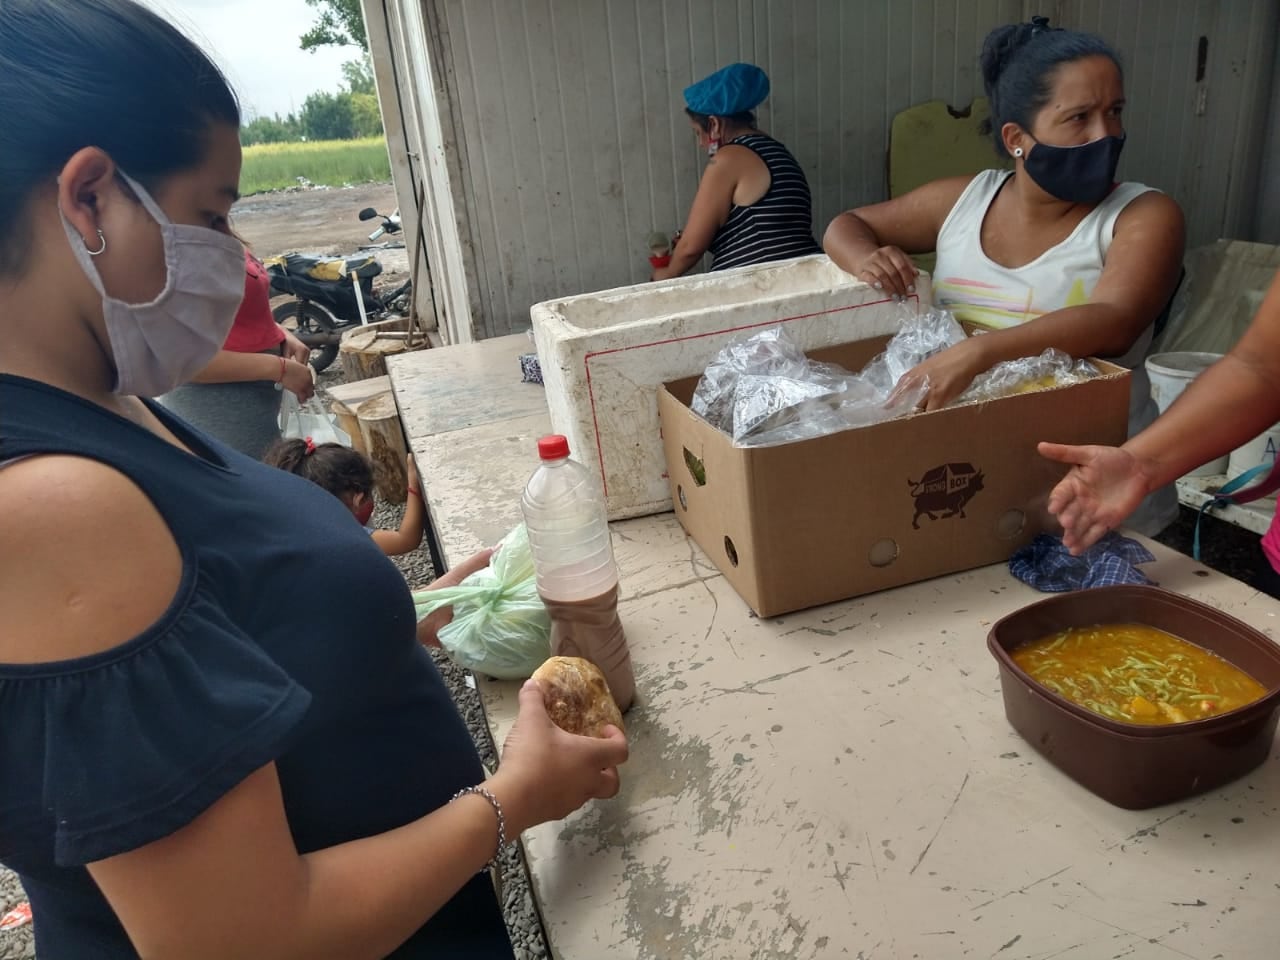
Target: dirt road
x=321 y=221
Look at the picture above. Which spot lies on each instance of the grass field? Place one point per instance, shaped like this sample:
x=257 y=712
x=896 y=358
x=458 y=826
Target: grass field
x=273 y=166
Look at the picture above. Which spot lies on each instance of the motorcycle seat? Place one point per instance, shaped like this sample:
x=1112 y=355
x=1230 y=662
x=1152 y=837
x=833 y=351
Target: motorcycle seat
x=324 y=269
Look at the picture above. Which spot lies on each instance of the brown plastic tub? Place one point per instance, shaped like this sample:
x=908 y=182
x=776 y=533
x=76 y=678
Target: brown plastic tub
x=1131 y=765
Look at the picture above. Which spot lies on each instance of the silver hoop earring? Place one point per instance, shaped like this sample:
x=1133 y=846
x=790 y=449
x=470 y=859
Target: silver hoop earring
x=102 y=249
x=1017 y=152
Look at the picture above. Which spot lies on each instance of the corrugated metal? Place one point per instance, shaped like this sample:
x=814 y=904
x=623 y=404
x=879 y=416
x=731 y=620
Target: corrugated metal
x=1266 y=221
x=427 y=153
x=573 y=143
x=1198 y=140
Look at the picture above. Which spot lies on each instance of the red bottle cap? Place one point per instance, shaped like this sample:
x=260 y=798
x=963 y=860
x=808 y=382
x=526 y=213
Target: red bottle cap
x=554 y=447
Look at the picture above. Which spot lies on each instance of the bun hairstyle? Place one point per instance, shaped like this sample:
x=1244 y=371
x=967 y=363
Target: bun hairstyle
x=330 y=466
x=103 y=73
x=1018 y=63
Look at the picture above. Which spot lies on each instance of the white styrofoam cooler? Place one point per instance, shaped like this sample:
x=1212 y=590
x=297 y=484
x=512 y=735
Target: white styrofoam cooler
x=604 y=354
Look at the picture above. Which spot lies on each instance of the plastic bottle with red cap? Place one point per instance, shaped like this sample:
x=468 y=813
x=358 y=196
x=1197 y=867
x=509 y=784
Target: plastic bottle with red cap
x=564 y=512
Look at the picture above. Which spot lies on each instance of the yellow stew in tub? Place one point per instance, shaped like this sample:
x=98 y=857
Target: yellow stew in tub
x=1136 y=674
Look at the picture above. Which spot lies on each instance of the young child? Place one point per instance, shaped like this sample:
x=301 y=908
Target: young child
x=348 y=475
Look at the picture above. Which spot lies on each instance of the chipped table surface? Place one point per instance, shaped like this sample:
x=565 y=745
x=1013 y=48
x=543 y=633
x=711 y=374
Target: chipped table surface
x=842 y=782
x=455 y=388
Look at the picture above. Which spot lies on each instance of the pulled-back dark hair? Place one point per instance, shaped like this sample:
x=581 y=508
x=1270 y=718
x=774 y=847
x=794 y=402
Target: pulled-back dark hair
x=331 y=466
x=703 y=120
x=103 y=73
x=1018 y=64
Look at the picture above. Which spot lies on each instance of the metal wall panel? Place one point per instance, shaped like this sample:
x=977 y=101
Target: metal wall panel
x=1196 y=129
x=1266 y=222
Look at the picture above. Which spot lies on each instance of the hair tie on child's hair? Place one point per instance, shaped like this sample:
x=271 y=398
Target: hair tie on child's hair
x=311 y=446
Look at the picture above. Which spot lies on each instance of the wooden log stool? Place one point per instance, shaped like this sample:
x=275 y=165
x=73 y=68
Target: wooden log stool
x=346 y=399
x=364 y=350
x=384 y=444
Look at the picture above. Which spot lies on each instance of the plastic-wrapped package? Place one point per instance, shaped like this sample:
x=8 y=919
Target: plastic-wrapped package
x=762 y=403
x=773 y=411
x=769 y=353
x=861 y=404
x=920 y=337
x=1053 y=368
x=763 y=390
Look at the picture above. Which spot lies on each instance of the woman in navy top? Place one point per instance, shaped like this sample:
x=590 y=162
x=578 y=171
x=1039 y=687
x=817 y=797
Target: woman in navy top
x=218 y=735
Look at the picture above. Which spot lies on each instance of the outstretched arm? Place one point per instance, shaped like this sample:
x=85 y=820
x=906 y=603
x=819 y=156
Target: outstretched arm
x=1228 y=404
x=229 y=366
x=1137 y=281
x=710 y=209
x=394 y=543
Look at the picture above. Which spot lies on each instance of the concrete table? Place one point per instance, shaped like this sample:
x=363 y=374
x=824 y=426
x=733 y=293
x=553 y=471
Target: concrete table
x=842 y=782
x=446 y=389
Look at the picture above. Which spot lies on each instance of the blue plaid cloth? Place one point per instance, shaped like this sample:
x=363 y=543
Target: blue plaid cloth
x=1046 y=565
x=530 y=369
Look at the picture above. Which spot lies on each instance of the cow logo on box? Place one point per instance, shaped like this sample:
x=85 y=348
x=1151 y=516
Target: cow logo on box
x=943 y=491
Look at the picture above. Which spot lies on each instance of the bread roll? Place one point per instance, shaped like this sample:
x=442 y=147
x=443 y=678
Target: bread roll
x=577 y=696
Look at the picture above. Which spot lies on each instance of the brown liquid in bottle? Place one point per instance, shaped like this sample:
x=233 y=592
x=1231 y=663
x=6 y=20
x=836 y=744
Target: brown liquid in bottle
x=592 y=630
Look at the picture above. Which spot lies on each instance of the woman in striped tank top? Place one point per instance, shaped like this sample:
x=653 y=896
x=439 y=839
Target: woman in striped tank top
x=753 y=203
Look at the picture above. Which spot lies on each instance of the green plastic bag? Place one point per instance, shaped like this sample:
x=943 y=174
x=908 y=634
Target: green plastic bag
x=500 y=627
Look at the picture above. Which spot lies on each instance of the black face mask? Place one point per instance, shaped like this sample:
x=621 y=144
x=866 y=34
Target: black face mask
x=1082 y=174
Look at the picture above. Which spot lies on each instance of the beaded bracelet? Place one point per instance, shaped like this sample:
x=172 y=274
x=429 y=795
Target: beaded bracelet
x=497 y=809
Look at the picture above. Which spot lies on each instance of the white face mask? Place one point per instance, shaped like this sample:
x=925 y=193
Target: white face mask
x=159 y=345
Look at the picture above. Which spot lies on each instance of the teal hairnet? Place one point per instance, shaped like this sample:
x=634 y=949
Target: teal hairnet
x=736 y=88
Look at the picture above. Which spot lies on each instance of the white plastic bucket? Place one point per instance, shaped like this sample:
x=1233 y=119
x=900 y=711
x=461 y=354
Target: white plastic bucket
x=1261 y=449
x=1170 y=373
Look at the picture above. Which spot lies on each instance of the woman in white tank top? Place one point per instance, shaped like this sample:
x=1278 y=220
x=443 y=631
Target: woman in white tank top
x=1052 y=254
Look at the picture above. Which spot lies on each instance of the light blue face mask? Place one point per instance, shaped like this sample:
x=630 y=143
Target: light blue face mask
x=158 y=345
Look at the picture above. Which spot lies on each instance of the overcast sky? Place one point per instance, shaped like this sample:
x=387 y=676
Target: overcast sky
x=256 y=44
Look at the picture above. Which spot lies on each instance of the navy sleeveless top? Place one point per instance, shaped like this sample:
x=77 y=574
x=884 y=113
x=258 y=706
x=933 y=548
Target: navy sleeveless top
x=779 y=225
x=291 y=639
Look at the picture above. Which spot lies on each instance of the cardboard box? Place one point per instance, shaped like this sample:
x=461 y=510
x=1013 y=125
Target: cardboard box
x=605 y=354
x=820 y=520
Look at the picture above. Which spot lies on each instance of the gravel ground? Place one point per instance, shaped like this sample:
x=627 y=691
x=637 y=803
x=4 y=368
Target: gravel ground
x=14 y=944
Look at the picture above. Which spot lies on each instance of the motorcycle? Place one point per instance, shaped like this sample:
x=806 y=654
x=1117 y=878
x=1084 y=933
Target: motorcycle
x=391 y=225
x=328 y=300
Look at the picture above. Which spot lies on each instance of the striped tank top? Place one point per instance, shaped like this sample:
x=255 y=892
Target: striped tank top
x=779 y=225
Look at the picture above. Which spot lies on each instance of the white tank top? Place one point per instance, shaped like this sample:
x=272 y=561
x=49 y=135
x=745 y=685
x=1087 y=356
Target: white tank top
x=978 y=290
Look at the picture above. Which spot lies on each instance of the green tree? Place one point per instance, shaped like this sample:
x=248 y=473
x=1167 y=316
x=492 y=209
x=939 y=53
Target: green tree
x=328 y=116
x=270 y=130
x=366 y=115
x=358 y=75
x=352 y=112
x=340 y=24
